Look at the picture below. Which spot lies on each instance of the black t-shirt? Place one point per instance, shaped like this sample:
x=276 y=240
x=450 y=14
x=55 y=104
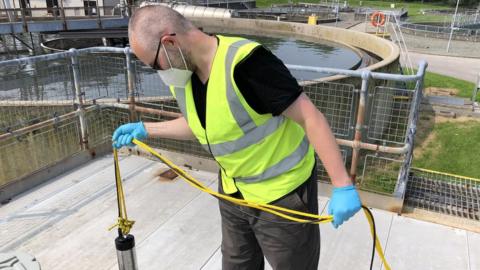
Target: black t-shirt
x=264 y=81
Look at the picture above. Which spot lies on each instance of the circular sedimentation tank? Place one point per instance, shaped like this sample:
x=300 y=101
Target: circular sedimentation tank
x=385 y=53
x=297 y=43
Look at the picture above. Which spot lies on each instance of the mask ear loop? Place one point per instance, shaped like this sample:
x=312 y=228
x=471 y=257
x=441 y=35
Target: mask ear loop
x=166 y=54
x=183 y=58
x=181 y=54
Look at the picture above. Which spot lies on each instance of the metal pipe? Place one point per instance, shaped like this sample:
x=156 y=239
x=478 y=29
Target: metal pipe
x=64 y=20
x=79 y=99
x=131 y=85
x=126 y=255
x=45 y=123
x=453 y=26
x=373 y=147
x=85 y=102
x=146 y=110
x=356 y=73
x=353 y=73
x=359 y=124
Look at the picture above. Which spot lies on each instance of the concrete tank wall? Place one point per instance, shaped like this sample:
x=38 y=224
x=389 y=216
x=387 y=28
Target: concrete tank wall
x=386 y=50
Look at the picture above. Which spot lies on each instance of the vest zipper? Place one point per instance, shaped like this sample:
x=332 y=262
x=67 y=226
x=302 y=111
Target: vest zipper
x=210 y=150
x=221 y=167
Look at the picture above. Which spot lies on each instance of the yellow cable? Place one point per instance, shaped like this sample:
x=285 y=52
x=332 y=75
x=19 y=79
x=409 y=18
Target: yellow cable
x=122 y=222
x=276 y=210
x=378 y=246
x=260 y=206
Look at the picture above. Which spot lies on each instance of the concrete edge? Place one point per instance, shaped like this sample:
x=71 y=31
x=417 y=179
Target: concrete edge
x=25 y=183
x=388 y=51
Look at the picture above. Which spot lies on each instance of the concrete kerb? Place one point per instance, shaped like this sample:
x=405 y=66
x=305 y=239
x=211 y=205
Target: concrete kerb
x=388 y=51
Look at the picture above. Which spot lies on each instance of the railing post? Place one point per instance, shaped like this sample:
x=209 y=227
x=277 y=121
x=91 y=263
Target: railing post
x=24 y=20
x=403 y=175
x=476 y=89
x=79 y=96
x=359 y=123
x=62 y=13
x=99 y=20
x=131 y=85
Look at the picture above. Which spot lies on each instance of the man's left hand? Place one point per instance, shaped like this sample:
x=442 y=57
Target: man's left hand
x=344 y=203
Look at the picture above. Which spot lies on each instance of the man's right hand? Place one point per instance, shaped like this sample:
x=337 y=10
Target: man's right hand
x=124 y=134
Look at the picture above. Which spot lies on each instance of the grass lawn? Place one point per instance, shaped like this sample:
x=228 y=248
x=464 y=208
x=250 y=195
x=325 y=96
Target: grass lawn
x=449 y=146
x=464 y=88
x=414 y=8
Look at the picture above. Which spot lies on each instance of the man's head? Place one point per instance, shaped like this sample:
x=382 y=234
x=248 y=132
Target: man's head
x=160 y=29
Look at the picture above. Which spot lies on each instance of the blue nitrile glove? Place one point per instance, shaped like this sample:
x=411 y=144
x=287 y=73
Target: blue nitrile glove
x=124 y=134
x=344 y=203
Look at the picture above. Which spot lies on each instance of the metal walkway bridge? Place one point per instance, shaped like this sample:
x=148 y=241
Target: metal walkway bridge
x=22 y=20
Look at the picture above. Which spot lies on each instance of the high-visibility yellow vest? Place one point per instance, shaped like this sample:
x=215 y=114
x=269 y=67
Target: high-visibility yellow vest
x=263 y=156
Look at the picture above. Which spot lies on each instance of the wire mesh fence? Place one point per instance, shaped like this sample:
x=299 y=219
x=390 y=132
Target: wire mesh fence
x=31 y=151
x=49 y=80
x=444 y=193
x=101 y=83
x=322 y=174
x=336 y=102
x=389 y=114
x=441 y=32
x=148 y=83
x=103 y=76
x=380 y=174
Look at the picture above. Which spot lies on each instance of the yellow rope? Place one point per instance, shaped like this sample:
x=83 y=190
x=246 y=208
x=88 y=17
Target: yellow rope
x=125 y=225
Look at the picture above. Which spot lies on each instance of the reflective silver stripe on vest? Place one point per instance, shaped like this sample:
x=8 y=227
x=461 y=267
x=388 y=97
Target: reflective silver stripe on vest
x=252 y=137
x=244 y=121
x=181 y=101
x=281 y=167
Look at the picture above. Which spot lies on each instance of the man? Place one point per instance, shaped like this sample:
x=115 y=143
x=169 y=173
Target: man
x=247 y=110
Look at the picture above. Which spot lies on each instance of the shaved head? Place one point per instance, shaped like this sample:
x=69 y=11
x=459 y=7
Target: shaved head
x=149 y=23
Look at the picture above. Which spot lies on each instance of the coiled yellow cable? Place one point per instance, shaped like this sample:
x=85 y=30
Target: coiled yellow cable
x=300 y=217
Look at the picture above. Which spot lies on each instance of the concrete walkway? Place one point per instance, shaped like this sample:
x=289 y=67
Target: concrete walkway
x=459 y=67
x=64 y=224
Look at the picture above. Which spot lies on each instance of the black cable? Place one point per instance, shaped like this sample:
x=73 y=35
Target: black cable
x=374 y=234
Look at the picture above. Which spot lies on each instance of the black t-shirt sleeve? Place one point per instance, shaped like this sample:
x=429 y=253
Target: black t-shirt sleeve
x=265 y=82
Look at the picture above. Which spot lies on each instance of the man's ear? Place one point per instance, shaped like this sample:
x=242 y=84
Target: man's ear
x=168 y=40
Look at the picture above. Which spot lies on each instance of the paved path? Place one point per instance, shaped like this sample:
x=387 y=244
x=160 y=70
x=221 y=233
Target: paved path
x=458 y=67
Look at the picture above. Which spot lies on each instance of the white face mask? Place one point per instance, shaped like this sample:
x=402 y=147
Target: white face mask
x=174 y=76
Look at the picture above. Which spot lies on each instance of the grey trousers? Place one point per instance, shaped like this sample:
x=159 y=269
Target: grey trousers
x=247 y=239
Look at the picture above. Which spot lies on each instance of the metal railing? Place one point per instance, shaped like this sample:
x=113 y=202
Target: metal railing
x=289 y=13
x=55 y=106
x=32 y=19
x=476 y=89
x=58 y=13
x=441 y=32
